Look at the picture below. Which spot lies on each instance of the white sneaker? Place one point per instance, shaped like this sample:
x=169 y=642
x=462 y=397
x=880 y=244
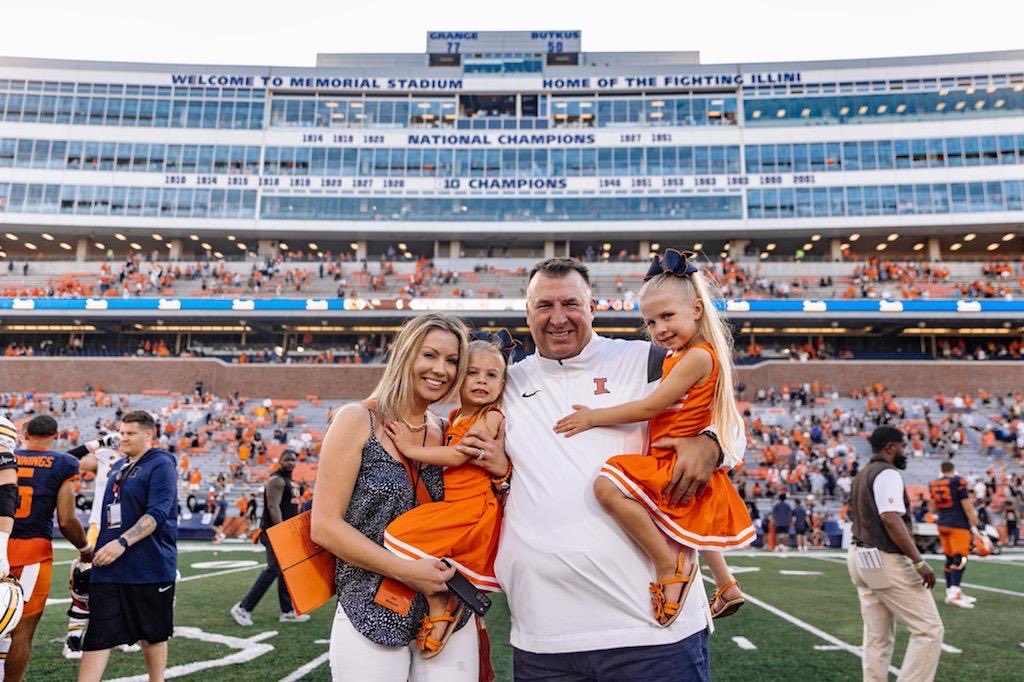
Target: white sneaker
x=73 y=647
x=292 y=617
x=956 y=599
x=241 y=616
x=968 y=598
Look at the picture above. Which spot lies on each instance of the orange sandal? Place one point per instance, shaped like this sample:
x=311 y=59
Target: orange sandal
x=662 y=607
x=425 y=642
x=727 y=608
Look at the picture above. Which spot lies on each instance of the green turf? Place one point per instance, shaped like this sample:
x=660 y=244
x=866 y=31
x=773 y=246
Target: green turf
x=989 y=636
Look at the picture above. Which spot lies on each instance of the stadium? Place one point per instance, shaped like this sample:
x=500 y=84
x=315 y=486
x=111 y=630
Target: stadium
x=234 y=247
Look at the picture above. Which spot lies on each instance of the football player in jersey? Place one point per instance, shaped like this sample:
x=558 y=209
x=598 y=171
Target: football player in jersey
x=46 y=483
x=957 y=519
x=8 y=488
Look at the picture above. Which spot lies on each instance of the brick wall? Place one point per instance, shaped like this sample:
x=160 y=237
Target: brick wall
x=134 y=375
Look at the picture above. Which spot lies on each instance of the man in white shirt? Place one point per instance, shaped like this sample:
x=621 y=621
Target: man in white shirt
x=577 y=585
x=893 y=581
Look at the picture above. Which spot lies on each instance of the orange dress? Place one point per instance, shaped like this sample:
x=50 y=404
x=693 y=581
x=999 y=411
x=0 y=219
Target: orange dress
x=718 y=519
x=463 y=527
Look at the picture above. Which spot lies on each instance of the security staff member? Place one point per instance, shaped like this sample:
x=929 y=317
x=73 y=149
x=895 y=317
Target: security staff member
x=893 y=581
x=280 y=503
x=131 y=595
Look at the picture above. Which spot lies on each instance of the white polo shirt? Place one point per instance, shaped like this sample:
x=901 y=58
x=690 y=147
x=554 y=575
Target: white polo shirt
x=575 y=581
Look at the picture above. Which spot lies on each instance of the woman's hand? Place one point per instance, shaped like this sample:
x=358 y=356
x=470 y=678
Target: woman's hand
x=426 y=575
x=577 y=422
x=486 y=453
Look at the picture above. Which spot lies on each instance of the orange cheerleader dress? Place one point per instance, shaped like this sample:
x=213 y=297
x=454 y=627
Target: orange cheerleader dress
x=718 y=519
x=463 y=527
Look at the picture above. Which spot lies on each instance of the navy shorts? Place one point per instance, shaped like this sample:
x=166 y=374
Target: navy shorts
x=688 y=660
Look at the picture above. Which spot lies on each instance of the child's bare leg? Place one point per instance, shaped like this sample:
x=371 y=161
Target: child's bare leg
x=634 y=519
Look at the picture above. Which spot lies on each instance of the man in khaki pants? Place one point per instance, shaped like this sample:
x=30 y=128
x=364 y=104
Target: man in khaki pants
x=893 y=581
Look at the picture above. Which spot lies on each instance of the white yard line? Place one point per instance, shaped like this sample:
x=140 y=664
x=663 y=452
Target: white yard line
x=245 y=650
x=306 y=669
x=997 y=590
x=744 y=643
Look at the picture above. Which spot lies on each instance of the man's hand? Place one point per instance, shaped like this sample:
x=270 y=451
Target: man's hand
x=486 y=453
x=577 y=422
x=85 y=554
x=927 y=576
x=696 y=461
x=108 y=554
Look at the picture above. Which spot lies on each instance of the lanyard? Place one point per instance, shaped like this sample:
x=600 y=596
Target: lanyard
x=121 y=476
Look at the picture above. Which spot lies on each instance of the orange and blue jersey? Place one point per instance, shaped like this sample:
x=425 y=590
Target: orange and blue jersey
x=41 y=473
x=947 y=494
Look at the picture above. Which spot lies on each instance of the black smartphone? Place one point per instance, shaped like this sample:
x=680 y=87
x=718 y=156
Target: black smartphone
x=476 y=600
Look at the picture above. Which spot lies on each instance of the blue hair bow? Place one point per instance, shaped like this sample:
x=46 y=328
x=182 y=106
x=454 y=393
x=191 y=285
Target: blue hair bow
x=501 y=338
x=672 y=262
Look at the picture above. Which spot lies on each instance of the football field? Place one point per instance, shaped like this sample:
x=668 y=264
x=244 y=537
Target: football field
x=801 y=622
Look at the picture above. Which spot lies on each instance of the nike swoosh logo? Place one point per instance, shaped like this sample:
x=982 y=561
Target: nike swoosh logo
x=530 y=395
x=164 y=589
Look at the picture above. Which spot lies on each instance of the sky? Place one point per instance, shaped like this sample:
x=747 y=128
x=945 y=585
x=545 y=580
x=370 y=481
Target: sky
x=260 y=32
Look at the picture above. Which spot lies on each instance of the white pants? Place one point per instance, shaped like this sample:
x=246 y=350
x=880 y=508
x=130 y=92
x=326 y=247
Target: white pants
x=355 y=658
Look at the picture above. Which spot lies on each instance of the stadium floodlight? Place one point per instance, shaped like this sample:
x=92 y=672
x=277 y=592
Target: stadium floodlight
x=242 y=246
x=900 y=108
x=313 y=246
x=970 y=90
x=990 y=89
x=206 y=246
x=806 y=112
x=943 y=92
x=697 y=246
x=231 y=237
x=300 y=349
x=402 y=246
x=815 y=237
x=30 y=246
x=194 y=237
x=881 y=109
x=218 y=254
x=980 y=104
x=970 y=237
x=655 y=246
x=999 y=103
x=1008 y=236
x=764 y=254
x=770 y=247
x=47 y=236
x=120 y=237
x=136 y=246
x=956 y=246
x=1018 y=87
x=354 y=246
x=845 y=246
x=3 y=254
x=756 y=113
x=169 y=245
x=881 y=247
x=854 y=237
x=65 y=246
x=781 y=113
x=808 y=246
x=940 y=106
x=992 y=247
x=960 y=105
x=843 y=111
x=918 y=246
x=283 y=246
x=100 y=245
x=892 y=237
x=13 y=237
x=158 y=237
x=606 y=246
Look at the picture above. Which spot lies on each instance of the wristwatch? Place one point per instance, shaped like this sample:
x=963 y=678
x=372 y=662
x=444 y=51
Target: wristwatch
x=121 y=541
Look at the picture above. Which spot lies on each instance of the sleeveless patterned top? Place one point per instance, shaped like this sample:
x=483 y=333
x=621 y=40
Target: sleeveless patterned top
x=382 y=493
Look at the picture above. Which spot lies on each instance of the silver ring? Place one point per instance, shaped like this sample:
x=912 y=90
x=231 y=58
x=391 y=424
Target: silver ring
x=480 y=452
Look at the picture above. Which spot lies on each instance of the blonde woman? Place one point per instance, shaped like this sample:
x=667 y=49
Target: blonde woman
x=363 y=484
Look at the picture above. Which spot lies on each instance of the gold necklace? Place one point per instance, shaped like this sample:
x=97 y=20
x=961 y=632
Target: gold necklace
x=413 y=428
